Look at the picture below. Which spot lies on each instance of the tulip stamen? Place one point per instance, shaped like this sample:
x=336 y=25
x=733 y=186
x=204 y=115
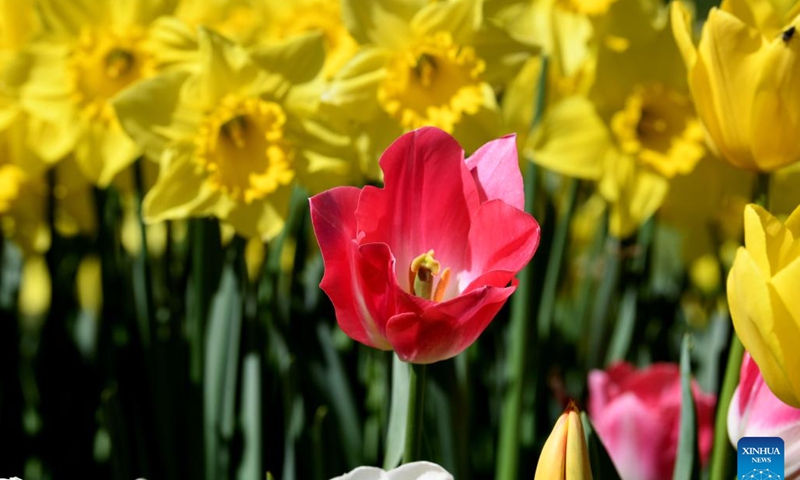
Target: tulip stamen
x=442 y=285
x=421 y=273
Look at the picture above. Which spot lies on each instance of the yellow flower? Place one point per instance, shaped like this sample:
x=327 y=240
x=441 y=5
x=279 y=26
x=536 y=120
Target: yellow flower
x=254 y=24
x=565 y=455
x=763 y=287
x=635 y=130
x=423 y=63
x=231 y=137
x=90 y=51
x=743 y=77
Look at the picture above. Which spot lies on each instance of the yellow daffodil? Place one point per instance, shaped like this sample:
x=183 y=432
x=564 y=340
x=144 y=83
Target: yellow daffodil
x=743 y=77
x=423 y=63
x=229 y=136
x=253 y=24
x=762 y=295
x=635 y=129
x=565 y=455
x=564 y=34
x=90 y=51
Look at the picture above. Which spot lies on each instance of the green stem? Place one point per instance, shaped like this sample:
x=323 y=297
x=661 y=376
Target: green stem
x=508 y=445
x=557 y=248
x=722 y=454
x=416 y=407
x=142 y=292
x=602 y=304
x=761 y=191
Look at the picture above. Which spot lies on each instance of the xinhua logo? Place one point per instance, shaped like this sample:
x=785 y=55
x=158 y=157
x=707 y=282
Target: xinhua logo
x=760 y=458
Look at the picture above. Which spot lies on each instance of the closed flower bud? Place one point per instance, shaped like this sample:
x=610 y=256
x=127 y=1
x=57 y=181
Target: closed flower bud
x=763 y=287
x=565 y=455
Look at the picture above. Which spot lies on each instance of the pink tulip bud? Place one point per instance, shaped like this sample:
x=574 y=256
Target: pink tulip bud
x=637 y=413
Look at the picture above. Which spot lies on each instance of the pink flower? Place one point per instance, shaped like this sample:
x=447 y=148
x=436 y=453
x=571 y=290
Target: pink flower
x=756 y=412
x=422 y=265
x=637 y=416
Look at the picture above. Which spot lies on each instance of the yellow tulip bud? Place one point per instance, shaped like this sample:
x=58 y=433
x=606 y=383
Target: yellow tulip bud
x=764 y=298
x=743 y=76
x=565 y=455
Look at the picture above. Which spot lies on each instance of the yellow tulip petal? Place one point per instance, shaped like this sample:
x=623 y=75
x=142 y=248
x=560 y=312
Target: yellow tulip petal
x=793 y=222
x=761 y=15
x=756 y=222
x=754 y=319
x=553 y=461
x=682 y=30
x=572 y=139
x=577 y=467
x=786 y=303
x=776 y=115
x=723 y=84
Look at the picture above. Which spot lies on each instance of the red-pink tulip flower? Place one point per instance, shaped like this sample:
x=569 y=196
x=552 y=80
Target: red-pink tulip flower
x=422 y=265
x=636 y=414
x=756 y=412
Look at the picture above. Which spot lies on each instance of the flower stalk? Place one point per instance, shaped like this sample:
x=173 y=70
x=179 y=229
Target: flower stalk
x=722 y=455
x=416 y=407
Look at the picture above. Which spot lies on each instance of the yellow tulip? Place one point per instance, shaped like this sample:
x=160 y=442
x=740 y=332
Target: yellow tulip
x=565 y=455
x=743 y=76
x=763 y=287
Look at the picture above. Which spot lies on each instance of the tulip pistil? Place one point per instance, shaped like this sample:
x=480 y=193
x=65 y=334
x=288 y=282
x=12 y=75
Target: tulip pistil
x=420 y=277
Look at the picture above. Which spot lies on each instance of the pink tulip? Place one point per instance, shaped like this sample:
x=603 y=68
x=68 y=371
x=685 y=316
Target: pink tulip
x=637 y=416
x=422 y=265
x=756 y=412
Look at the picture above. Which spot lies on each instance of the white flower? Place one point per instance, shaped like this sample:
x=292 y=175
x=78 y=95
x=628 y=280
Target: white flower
x=409 y=471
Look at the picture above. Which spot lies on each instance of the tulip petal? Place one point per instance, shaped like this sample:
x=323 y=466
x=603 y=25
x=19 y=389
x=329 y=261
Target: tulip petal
x=427 y=202
x=577 y=457
x=445 y=329
x=681 y=22
x=754 y=321
x=419 y=471
x=502 y=239
x=775 y=116
x=335 y=227
x=756 y=412
x=495 y=168
x=723 y=84
x=552 y=459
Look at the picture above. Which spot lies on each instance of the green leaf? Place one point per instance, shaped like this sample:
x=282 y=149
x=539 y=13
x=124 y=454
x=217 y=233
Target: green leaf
x=250 y=420
x=398 y=414
x=221 y=362
x=687 y=464
x=602 y=466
